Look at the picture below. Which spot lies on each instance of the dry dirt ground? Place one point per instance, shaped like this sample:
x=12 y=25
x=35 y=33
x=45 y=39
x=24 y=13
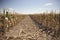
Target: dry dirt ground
x=26 y=30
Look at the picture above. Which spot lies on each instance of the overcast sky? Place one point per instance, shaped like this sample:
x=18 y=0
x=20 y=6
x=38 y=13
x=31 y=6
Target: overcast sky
x=30 y=6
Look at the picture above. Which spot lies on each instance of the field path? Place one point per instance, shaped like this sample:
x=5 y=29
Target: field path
x=24 y=28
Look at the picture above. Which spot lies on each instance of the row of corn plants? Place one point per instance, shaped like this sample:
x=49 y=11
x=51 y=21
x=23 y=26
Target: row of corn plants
x=50 y=20
x=9 y=20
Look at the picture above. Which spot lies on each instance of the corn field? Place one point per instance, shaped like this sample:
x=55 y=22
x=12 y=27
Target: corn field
x=8 y=21
x=49 y=20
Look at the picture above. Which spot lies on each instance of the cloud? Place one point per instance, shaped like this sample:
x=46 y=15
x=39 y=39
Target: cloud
x=48 y=4
x=10 y=9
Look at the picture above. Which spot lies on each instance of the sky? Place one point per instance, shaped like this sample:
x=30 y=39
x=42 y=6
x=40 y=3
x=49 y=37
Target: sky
x=30 y=6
